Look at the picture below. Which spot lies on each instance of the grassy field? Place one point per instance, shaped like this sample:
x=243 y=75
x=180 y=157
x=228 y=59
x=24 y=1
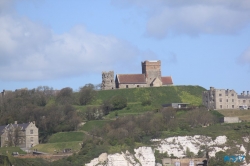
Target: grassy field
x=93 y=124
x=62 y=140
x=242 y=114
x=3 y=150
x=66 y=137
x=158 y=95
x=58 y=147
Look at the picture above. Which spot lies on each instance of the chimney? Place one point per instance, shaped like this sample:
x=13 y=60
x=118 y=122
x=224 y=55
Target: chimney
x=15 y=122
x=243 y=93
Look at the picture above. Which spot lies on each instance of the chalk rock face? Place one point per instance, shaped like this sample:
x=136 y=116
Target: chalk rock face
x=117 y=159
x=103 y=157
x=145 y=155
x=93 y=162
x=178 y=145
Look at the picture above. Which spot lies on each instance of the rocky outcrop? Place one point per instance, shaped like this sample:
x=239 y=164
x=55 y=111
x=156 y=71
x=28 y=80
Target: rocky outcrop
x=177 y=146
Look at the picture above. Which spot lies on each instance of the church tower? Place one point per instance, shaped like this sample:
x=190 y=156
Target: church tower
x=152 y=70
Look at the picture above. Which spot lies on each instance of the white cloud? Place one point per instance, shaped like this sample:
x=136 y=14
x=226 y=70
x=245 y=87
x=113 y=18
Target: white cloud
x=193 y=17
x=31 y=51
x=245 y=57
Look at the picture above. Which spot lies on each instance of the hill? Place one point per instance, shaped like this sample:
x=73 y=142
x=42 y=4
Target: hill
x=157 y=95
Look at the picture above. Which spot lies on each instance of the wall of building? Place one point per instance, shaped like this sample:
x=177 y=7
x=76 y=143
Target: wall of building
x=108 y=81
x=152 y=70
x=231 y=120
x=220 y=99
x=32 y=138
x=123 y=86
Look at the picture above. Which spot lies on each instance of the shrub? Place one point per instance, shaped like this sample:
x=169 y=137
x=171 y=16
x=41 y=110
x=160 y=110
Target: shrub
x=146 y=102
x=118 y=102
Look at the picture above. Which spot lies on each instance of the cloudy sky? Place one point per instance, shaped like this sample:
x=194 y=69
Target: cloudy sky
x=63 y=43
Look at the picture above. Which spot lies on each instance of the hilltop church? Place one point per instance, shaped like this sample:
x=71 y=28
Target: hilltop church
x=150 y=77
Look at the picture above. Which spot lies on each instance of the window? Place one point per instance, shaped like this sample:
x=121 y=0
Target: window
x=244 y=101
x=31 y=139
x=138 y=86
x=232 y=106
x=220 y=100
x=220 y=94
x=31 y=131
x=220 y=106
x=232 y=94
x=227 y=100
x=232 y=100
x=126 y=86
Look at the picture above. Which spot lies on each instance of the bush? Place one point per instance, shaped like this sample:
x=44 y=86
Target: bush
x=146 y=102
x=118 y=102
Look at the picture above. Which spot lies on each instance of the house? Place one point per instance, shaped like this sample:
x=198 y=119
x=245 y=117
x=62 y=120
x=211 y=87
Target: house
x=150 y=77
x=22 y=135
x=224 y=99
x=176 y=105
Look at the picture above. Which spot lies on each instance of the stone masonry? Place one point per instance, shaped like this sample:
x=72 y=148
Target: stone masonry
x=108 y=80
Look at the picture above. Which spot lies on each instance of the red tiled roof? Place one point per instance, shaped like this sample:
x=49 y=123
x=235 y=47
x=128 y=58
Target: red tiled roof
x=131 y=78
x=167 y=80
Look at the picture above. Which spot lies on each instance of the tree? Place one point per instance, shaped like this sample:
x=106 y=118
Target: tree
x=118 y=102
x=87 y=94
x=65 y=96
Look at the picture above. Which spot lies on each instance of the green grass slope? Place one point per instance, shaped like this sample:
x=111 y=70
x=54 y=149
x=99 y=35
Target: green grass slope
x=5 y=150
x=158 y=95
x=66 y=137
x=62 y=140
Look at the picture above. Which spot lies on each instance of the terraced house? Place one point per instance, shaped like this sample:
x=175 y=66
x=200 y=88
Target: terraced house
x=225 y=99
x=22 y=135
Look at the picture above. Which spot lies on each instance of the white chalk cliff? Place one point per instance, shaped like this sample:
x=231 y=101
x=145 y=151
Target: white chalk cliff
x=144 y=156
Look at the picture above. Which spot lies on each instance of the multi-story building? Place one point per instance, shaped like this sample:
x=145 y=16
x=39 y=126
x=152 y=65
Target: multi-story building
x=24 y=135
x=225 y=99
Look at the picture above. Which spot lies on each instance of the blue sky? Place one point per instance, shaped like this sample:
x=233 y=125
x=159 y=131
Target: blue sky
x=64 y=43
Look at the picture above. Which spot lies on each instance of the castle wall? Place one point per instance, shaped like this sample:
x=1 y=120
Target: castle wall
x=108 y=81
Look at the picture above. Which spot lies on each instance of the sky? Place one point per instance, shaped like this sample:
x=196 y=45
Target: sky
x=63 y=43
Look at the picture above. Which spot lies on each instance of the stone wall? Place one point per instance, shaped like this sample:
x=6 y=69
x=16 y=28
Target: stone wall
x=220 y=99
x=108 y=80
x=31 y=135
x=231 y=120
x=152 y=70
x=123 y=86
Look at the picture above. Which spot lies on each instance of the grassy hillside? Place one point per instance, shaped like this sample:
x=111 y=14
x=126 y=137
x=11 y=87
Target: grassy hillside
x=242 y=114
x=62 y=140
x=58 y=147
x=66 y=137
x=158 y=95
x=9 y=150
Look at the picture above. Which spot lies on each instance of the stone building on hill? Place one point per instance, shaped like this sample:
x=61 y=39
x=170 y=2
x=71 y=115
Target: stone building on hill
x=23 y=135
x=150 y=77
x=225 y=99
